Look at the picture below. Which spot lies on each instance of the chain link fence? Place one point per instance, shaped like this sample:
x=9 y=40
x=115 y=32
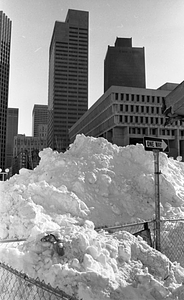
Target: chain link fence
x=172 y=239
x=171 y=236
x=15 y=285
x=144 y=229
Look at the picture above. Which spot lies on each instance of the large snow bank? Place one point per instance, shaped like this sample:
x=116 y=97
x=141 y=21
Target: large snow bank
x=93 y=180
x=94 y=183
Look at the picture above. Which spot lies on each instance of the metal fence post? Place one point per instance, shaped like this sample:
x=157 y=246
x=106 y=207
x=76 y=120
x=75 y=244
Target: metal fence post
x=157 y=199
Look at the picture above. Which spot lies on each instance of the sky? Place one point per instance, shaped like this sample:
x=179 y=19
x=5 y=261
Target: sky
x=157 y=25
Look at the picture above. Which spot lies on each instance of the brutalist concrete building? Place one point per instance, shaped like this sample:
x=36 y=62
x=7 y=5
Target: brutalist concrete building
x=125 y=115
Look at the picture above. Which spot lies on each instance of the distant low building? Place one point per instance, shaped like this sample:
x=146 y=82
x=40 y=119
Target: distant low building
x=26 y=152
x=124 y=115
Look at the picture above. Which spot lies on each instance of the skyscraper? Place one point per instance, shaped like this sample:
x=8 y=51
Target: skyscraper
x=39 y=120
x=68 y=77
x=12 y=130
x=5 y=40
x=124 y=65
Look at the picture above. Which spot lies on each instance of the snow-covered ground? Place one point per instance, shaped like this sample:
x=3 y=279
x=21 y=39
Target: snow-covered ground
x=94 y=183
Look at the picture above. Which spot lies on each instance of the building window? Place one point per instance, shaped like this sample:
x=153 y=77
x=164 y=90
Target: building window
x=132 y=96
x=131 y=119
x=126 y=108
x=143 y=130
x=127 y=97
x=153 y=131
x=116 y=96
x=121 y=107
x=122 y=96
x=152 y=110
x=121 y=119
x=162 y=121
x=137 y=98
x=148 y=98
x=126 y=119
x=142 y=98
x=153 y=99
x=137 y=108
x=142 y=109
x=147 y=109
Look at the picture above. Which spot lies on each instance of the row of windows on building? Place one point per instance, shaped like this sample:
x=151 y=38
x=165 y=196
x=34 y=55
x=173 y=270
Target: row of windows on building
x=28 y=142
x=141 y=120
x=139 y=109
x=141 y=98
x=154 y=131
x=145 y=120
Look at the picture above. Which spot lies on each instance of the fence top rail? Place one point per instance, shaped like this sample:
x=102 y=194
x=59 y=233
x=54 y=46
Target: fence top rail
x=171 y=220
x=13 y=241
x=123 y=225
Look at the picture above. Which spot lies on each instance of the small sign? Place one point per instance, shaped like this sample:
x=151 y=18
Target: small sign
x=151 y=144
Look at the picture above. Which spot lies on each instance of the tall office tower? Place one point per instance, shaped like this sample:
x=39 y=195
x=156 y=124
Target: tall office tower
x=39 y=120
x=12 y=130
x=124 y=65
x=68 y=77
x=5 y=40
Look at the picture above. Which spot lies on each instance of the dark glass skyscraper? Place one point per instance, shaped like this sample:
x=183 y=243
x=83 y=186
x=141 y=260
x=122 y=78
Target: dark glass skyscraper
x=124 y=65
x=5 y=40
x=68 y=77
x=39 y=119
x=11 y=131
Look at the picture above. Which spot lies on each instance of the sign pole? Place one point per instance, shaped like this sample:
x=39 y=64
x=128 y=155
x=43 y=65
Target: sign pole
x=157 y=198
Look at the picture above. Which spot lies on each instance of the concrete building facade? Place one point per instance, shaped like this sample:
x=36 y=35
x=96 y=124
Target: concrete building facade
x=39 y=120
x=125 y=115
x=68 y=77
x=11 y=132
x=25 y=152
x=5 y=41
x=124 y=65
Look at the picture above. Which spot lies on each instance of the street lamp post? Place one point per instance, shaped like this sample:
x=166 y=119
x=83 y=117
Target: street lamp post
x=4 y=174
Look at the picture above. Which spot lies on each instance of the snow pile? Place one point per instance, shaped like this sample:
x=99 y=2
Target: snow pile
x=94 y=183
x=94 y=180
x=99 y=266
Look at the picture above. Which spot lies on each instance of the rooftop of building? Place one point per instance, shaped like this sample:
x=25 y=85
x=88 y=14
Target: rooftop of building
x=168 y=86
